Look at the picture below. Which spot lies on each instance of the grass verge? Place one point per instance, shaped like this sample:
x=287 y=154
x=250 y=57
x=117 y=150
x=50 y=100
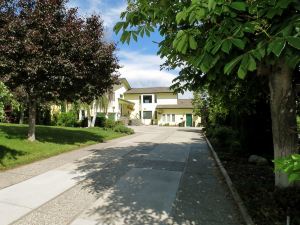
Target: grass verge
x=15 y=150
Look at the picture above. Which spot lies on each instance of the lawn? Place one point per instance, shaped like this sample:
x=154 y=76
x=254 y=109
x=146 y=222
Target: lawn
x=15 y=150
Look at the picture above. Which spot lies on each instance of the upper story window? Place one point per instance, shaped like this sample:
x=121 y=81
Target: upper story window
x=147 y=99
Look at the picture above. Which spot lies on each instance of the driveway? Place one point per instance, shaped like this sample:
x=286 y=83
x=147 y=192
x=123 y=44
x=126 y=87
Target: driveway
x=160 y=175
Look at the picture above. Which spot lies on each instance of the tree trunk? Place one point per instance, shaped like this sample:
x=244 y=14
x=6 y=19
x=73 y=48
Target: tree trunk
x=21 y=121
x=89 y=117
x=94 y=119
x=283 y=112
x=31 y=119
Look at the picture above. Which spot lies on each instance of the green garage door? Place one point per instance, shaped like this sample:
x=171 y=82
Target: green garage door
x=189 y=120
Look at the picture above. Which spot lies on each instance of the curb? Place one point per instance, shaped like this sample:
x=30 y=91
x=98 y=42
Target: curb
x=243 y=210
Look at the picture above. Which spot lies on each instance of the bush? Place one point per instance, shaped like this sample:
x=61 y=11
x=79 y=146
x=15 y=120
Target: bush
x=123 y=129
x=100 y=121
x=109 y=123
x=67 y=119
x=224 y=137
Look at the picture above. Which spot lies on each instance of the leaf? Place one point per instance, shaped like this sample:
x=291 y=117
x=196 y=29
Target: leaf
x=181 y=16
x=226 y=46
x=229 y=66
x=238 y=43
x=242 y=72
x=134 y=35
x=241 y=6
x=118 y=27
x=125 y=36
x=193 y=43
x=296 y=157
x=294 y=177
x=211 y=4
x=294 y=42
x=251 y=64
x=217 y=47
x=277 y=46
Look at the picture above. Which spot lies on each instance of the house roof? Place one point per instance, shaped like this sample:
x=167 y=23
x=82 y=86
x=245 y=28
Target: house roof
x=125 y=82
x=149 y=90
x=181 y=104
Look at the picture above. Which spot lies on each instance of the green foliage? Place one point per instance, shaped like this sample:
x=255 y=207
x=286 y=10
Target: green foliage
x=217 y=37
x=109 y=123
x=67 y=119
x=224 y=137
x=289 y=165
x=6 y=99
x=100 y=121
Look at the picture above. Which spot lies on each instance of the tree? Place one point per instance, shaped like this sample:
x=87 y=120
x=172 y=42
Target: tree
x=53 y=54
x=218 y=39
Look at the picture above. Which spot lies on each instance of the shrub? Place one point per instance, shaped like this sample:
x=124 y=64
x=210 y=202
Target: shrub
x=123 y=129
x=100 y=121
x=224 y=136
x=109 y=123
x=67 y=119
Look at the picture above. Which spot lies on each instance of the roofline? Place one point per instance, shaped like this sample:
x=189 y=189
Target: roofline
x=149 y=92
x=125 y=82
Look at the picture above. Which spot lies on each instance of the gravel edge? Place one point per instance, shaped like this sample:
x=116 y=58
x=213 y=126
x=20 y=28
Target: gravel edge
x=236 y=197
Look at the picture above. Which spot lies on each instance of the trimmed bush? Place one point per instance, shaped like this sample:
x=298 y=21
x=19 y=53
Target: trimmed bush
x=67 y=119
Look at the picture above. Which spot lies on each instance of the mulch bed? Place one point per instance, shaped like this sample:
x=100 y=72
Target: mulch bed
x=255 y=184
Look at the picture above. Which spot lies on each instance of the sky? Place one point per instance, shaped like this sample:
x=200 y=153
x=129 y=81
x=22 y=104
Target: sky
x=139 y=61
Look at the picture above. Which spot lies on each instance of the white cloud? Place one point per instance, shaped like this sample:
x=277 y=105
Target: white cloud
x=110 y=13
x=143 y=70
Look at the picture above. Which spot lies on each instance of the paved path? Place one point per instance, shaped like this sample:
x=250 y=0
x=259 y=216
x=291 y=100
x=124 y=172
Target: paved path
x=160 y=175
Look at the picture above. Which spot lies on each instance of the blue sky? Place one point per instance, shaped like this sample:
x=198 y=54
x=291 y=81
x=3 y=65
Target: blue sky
x=140 y=64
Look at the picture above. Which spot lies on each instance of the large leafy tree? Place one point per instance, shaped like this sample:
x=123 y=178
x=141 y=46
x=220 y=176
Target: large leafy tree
x=215 y=40
x=53 y=54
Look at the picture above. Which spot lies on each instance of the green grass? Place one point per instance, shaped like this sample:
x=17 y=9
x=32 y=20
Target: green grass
x=15 y=150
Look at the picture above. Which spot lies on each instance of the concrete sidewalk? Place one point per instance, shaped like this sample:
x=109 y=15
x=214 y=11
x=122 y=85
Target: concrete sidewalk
x=159 y=176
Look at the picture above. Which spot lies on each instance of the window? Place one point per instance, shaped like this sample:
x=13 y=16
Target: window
x=173 y=117
x=164 y=118
x=168 y=118
x=147 y=115
x=147 y=99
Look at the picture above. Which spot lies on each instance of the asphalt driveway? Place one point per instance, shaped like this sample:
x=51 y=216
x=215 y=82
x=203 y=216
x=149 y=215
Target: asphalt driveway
x=160 y=175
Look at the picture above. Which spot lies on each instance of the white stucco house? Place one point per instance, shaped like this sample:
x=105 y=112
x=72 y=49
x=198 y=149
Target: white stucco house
x=153 y=106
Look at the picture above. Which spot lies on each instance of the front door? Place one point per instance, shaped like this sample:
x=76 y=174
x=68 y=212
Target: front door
x=189 y=120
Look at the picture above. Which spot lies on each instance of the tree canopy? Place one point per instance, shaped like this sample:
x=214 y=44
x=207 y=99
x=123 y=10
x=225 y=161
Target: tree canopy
x=53 y=53
x=216 y=41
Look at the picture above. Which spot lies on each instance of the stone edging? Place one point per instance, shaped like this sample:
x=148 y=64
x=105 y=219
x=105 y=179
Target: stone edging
x=243 y=210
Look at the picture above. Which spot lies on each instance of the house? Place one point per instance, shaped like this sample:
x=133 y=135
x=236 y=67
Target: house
x=153 y=106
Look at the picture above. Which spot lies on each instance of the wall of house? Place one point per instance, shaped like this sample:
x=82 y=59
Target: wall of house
x=140 y=106
x=180 y=116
